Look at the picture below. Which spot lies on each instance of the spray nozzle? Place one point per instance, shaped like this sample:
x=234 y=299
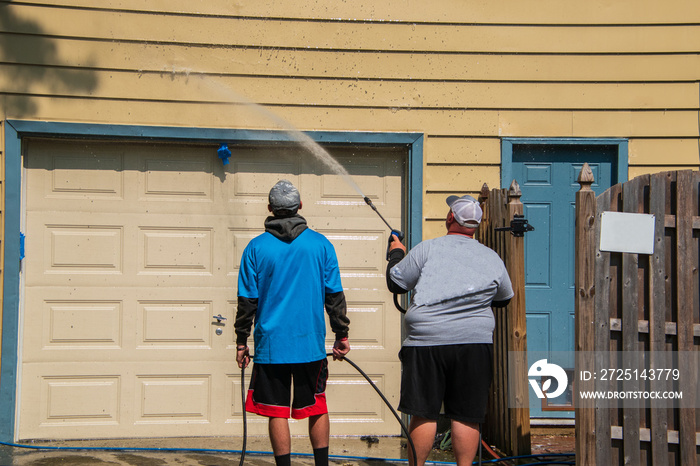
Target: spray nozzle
x=398 y=233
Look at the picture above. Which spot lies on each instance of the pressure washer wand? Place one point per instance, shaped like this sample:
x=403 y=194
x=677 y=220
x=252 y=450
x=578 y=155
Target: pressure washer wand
x=398 y=233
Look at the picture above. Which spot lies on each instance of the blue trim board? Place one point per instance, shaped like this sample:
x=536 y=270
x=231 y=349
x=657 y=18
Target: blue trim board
x=508 y=143
x=11 y=267
x=415 y=193
x=15 y=130
x=213 y=135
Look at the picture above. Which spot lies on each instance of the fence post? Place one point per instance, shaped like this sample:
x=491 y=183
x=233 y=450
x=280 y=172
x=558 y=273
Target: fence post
x=517 y=326
x=584 y=313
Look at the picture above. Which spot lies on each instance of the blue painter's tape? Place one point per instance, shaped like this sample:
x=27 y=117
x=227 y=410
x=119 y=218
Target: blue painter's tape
x=224 y=153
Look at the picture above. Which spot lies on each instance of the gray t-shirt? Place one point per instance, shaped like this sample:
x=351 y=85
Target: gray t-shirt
x=454 y=278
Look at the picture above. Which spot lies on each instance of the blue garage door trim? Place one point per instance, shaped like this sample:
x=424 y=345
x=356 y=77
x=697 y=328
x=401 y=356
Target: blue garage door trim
x=16 y=130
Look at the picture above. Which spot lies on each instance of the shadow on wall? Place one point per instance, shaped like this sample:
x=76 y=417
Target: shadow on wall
x=32 y=66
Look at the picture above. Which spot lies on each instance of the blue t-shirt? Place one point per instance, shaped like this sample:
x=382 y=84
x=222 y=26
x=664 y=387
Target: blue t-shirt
x=290 y=281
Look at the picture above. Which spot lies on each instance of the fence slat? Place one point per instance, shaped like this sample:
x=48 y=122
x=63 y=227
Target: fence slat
x=657 y=312
x=602 y=336
x=584 y=315
x=684 y=237
x=518 y=327
x=630 y=326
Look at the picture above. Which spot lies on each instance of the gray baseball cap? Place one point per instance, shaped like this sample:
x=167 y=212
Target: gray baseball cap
x=466 y=210
x=284 y=196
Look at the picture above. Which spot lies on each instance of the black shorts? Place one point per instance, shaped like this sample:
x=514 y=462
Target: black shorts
x=458 y=376
x=269 y=393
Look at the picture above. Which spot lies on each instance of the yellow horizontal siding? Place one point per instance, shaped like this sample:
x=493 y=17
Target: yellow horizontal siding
x=459 y=178
x=594 y=124
x=659 y=151
x=352 y=93
x=530 y=11
x=462 y=150
x=677 y=124
x=435 y=208
x=636 y=124
x=334 y=35
x=433 y=229
x=480 y=122
x=227 y=60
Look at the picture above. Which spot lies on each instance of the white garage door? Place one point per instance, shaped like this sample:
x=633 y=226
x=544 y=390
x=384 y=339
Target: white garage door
x=132 y=248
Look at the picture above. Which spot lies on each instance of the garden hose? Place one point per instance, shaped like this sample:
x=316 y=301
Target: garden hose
x=393 y=411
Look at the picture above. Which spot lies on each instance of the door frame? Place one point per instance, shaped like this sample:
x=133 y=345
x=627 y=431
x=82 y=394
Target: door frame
x=507 y=145
x=17 y=130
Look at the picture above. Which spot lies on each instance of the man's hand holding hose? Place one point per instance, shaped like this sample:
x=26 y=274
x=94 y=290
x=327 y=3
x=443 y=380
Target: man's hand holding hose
x=396 y=243
x=341 y=347
x=242 y=356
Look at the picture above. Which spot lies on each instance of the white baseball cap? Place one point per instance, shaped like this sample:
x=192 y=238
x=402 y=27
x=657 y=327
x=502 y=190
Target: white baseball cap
x=466 y=210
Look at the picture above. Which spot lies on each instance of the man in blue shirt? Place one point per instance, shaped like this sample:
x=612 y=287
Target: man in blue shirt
x=288 y=275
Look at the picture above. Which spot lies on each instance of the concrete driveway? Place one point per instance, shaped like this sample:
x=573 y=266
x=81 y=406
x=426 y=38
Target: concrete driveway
x=220 y=451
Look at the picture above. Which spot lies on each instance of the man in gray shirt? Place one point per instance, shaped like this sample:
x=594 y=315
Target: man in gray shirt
x=447 y=355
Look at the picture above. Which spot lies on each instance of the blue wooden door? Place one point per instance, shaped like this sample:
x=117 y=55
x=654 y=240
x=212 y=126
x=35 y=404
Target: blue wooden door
x=547 y=175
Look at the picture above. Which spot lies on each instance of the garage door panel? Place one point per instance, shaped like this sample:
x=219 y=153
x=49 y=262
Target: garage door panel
x=256 y=170
x=99 y=324
x=74 y=325
x=176 y=250
x=87 y=325
x=173 y=398
x=345 y=383
x=74 y=400
x=112 y=400
x=90 y=399
x=167 y=177
x=177 y=179
x=362 y=173
x=172 y=324
x=107 y=183
x=91 y=249
x=98 y=252
x=133 y=248
x=347 y=244
x=369 y=325
x=70 y=173
x=374 y=327
x=368 y=237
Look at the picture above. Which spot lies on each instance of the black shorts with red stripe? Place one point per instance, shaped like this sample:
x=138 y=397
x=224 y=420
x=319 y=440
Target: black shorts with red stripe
x=270 y=391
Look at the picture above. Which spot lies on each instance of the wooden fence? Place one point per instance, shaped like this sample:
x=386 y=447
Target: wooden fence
x=508 y=418
x=648 y=304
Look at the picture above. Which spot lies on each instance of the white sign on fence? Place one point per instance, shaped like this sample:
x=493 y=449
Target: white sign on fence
x=627 y=232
